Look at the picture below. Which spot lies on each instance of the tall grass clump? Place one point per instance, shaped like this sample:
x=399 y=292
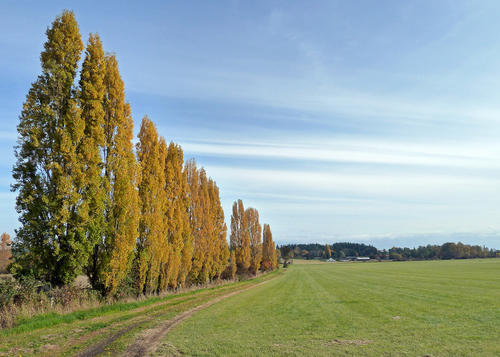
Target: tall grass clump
x=23 y=299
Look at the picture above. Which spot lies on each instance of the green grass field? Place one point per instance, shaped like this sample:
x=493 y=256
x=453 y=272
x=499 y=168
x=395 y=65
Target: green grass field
x=434 y=308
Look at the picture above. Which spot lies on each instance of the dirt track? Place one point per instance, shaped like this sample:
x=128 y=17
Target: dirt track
x=148 y=341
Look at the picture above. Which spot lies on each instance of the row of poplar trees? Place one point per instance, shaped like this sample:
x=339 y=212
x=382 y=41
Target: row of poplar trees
x=249 y=252
x=89 y=203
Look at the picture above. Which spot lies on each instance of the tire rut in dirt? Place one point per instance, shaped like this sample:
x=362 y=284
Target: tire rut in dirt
x=150 y=341
x=147 y=343
x=100 y=347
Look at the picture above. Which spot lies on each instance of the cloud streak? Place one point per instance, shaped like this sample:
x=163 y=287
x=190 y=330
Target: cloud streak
x=360 y=151
x=332 y=122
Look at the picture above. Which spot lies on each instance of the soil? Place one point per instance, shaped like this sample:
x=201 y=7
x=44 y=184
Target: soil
x=148 y=341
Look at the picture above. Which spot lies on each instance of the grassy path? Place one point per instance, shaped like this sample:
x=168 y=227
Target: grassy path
x=108 y=330
x=149 y=340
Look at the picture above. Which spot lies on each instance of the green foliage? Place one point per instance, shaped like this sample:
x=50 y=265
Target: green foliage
x=344 y=249
x=286 y=253
x=8 y=290
x=52 y=237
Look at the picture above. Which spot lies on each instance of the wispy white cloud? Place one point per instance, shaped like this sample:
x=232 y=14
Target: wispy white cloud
x=325 y=100
x=391 y=185
x=311 y=85
x=465 y=155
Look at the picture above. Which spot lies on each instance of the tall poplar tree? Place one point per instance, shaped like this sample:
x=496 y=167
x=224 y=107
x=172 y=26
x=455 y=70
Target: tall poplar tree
x=240 y=237
x=200 y=224
x=51 y=243
x=206 y=217
x=151 y=247
x=206 y=251
x=177 y=220
x=160 y=250
x=269 y=258
x=219 y=231
x=92 y=184
x=195 y=213
x=187 y=243
x=113 y=256
x=255 y=233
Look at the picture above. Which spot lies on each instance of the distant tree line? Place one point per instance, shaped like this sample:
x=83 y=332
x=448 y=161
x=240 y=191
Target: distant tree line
x=131 y=219
x=342 y=250
x=448 y=250
x=335 y=250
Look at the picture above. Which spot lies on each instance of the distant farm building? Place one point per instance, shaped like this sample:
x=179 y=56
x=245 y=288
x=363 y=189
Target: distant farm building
x=356 y=259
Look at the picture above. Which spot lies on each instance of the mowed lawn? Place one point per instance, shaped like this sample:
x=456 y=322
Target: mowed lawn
x=430 y=308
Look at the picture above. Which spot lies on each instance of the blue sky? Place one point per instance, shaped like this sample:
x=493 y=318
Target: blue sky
x=365 y=121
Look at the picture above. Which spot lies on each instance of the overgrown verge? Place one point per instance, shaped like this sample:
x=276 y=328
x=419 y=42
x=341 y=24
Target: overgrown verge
x=29 y=305
x=26 y=298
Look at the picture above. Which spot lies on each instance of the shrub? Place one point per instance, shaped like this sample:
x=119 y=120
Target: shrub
x=28 y=297
x=8 y=290
x=27 y=290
